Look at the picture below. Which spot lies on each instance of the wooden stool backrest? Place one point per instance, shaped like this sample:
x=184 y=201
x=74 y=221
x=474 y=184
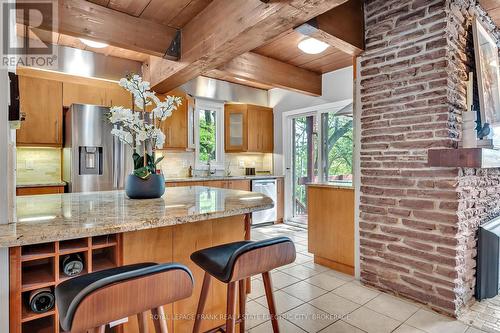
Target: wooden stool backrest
x=130 y=297
x=263 y=259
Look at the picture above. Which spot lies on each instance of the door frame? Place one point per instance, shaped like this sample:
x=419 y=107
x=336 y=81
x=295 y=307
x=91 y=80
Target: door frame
x=286 y=119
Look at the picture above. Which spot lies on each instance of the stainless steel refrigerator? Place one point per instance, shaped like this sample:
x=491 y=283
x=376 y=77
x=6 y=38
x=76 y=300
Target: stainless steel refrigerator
x=93 y=159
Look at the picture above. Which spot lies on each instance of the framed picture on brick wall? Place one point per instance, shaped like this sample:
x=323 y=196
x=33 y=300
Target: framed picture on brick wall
x=487 y=70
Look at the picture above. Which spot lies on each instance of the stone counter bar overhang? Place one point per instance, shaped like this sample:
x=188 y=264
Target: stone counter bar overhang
x=48 y=218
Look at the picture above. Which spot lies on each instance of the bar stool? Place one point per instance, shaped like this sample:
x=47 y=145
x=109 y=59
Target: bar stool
x=235 y=262
x=88 y=302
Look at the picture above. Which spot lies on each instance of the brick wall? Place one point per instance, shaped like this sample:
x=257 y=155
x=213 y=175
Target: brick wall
x=417 y=224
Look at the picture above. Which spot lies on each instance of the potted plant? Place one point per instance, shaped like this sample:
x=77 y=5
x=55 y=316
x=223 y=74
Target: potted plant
x=141 y=129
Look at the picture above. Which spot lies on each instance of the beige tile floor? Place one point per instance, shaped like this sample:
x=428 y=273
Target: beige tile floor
x=313 y=298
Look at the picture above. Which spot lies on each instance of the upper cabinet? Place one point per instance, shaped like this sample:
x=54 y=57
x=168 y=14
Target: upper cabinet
x=41 y=101
x=83 y=94
x=235 y=119
x=118 y=97
x=248 y=128
x=175 y=127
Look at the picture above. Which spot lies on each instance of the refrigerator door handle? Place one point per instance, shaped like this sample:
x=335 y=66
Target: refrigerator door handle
x=116 y=155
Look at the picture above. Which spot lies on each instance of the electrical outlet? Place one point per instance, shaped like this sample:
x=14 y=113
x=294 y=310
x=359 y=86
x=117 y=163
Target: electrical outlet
x=29 y=165
x=241 y=164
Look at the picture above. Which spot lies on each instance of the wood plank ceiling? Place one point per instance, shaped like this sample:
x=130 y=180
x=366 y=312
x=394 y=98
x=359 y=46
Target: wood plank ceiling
x=177 y=13
x=174 y=13
x=284 y=48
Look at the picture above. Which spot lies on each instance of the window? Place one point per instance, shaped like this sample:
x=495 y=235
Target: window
x=209 y=134
x=336 y=134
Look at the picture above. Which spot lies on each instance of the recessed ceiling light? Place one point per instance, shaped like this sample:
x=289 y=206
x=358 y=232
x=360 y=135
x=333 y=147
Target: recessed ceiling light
x=312 y=46
x=94 y=44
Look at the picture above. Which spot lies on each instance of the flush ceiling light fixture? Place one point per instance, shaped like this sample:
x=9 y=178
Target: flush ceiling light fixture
x=94 y=44
x=312 y=46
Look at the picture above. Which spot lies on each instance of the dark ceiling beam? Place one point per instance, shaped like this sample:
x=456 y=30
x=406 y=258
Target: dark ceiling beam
x=85 y=19
x=342 y=27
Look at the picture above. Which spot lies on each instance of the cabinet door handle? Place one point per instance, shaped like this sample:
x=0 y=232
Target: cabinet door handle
x=57 y=131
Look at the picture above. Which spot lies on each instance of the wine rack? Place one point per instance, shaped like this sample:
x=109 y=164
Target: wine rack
x=33 y=267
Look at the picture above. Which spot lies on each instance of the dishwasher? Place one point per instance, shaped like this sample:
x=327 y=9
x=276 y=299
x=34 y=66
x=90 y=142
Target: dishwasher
x=267 y=187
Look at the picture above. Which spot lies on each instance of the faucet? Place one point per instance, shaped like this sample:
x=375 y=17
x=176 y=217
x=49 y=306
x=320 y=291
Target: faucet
x=210 y=172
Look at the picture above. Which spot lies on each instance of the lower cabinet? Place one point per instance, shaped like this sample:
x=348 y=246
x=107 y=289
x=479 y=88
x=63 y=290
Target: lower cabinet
x=39 y=190
x=331 y=226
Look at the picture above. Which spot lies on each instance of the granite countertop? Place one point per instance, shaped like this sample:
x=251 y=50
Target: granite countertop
x=41 y=184
x=53 y=217
x=340 y=185
x=215 y=178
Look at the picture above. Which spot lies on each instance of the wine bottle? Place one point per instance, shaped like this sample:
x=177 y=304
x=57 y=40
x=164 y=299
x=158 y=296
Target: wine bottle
x=72 y=264
x=41 y=300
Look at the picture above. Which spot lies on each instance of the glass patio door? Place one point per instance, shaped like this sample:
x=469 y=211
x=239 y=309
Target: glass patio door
x=321 y=150
x=304 y=163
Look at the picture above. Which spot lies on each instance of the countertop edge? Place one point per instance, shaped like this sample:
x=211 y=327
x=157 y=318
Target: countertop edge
x=333 y=186
x=52 y=184
x=205 y=179
x=131 y=226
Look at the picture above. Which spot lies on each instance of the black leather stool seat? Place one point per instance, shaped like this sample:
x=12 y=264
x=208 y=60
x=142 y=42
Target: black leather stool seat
x=218 y=261
x=70 y=293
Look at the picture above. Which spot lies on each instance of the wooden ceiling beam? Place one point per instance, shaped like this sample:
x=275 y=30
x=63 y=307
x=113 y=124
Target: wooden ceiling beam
x=342 y=27
x=85 y=19
x=226 y=29
x=254 y=67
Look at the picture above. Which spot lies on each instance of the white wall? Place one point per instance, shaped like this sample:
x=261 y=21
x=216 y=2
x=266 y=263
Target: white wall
x=336 y=86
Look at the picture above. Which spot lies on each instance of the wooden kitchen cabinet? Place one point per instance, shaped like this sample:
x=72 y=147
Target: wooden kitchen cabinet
x=236 y=135
x=41 y=100
x=118 y=97
x=266 y=130
x=248 y=128
x=331 y=226
x=242 y=185
x=83 y=94
x=36 y=190
x=175 y=127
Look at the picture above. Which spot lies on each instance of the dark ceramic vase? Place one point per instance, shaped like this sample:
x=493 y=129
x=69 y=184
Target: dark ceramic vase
x=151 y=188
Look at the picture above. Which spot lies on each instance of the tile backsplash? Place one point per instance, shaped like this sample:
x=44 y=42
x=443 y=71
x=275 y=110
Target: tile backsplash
x=176 y=164
x=238 y=162
x=43 y=165
x=38 y=165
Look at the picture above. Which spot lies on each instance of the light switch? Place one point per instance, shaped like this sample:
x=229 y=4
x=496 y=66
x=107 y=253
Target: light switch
x=29 y=165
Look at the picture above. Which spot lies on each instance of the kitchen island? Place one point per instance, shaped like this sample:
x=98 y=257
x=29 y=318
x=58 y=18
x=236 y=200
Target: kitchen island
x=106 y=229
x=330 y=208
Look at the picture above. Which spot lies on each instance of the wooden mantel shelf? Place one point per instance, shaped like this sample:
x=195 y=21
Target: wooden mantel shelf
x=464 y=157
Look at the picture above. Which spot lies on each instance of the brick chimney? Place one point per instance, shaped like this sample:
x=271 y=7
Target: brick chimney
x=418 y=223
